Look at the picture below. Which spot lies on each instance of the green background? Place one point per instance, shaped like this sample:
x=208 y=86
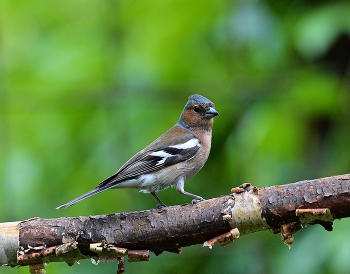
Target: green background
x=86 y=84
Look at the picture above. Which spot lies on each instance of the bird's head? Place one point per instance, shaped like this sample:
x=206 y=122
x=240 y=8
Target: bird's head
x=198 y=113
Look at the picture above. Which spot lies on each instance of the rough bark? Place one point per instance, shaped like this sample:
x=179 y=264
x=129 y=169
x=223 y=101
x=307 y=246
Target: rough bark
x=280 y=203
x=155 y=230
x=285 y=209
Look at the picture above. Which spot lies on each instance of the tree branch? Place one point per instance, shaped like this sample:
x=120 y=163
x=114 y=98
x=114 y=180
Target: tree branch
x=284 y=209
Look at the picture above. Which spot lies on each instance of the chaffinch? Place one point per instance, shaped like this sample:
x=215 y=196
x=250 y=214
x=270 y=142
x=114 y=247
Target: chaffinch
x=171 y=159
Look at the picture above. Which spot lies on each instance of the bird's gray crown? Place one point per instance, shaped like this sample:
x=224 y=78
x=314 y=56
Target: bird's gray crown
x=199 y=99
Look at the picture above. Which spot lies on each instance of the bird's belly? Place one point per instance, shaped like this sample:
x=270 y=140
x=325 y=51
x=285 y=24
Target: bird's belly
x=155 y=182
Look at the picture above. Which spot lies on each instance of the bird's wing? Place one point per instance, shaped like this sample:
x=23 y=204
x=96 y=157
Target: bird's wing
x=159 y=154
x=155 y=157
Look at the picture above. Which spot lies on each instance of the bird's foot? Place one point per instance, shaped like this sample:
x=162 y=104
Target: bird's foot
x=161 y=206
x=194 y=201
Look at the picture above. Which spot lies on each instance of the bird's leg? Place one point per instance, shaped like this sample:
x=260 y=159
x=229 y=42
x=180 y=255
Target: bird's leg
x=161 y=204
x=180 y=188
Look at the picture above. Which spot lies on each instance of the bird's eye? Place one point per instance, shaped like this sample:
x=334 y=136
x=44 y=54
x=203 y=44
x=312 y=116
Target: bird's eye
x=196 y=108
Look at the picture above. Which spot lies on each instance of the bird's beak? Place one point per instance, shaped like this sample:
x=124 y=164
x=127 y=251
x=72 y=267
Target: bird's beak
x=210 y=113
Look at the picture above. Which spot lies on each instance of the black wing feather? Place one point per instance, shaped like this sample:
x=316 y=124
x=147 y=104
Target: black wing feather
x=144 y=162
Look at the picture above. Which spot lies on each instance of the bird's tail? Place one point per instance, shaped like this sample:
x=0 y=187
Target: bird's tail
x=93 y=192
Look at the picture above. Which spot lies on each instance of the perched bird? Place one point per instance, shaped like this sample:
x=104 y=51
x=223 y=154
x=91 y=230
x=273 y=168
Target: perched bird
x=171 y=159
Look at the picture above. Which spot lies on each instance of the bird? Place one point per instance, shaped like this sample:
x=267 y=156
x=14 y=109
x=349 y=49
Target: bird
x=172 y=158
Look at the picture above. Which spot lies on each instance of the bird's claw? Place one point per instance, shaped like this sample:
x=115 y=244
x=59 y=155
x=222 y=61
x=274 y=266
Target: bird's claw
x=161 y=206
x=194 y=201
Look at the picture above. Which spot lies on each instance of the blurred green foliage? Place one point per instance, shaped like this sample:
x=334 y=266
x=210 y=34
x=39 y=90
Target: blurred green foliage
x=85 y=85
